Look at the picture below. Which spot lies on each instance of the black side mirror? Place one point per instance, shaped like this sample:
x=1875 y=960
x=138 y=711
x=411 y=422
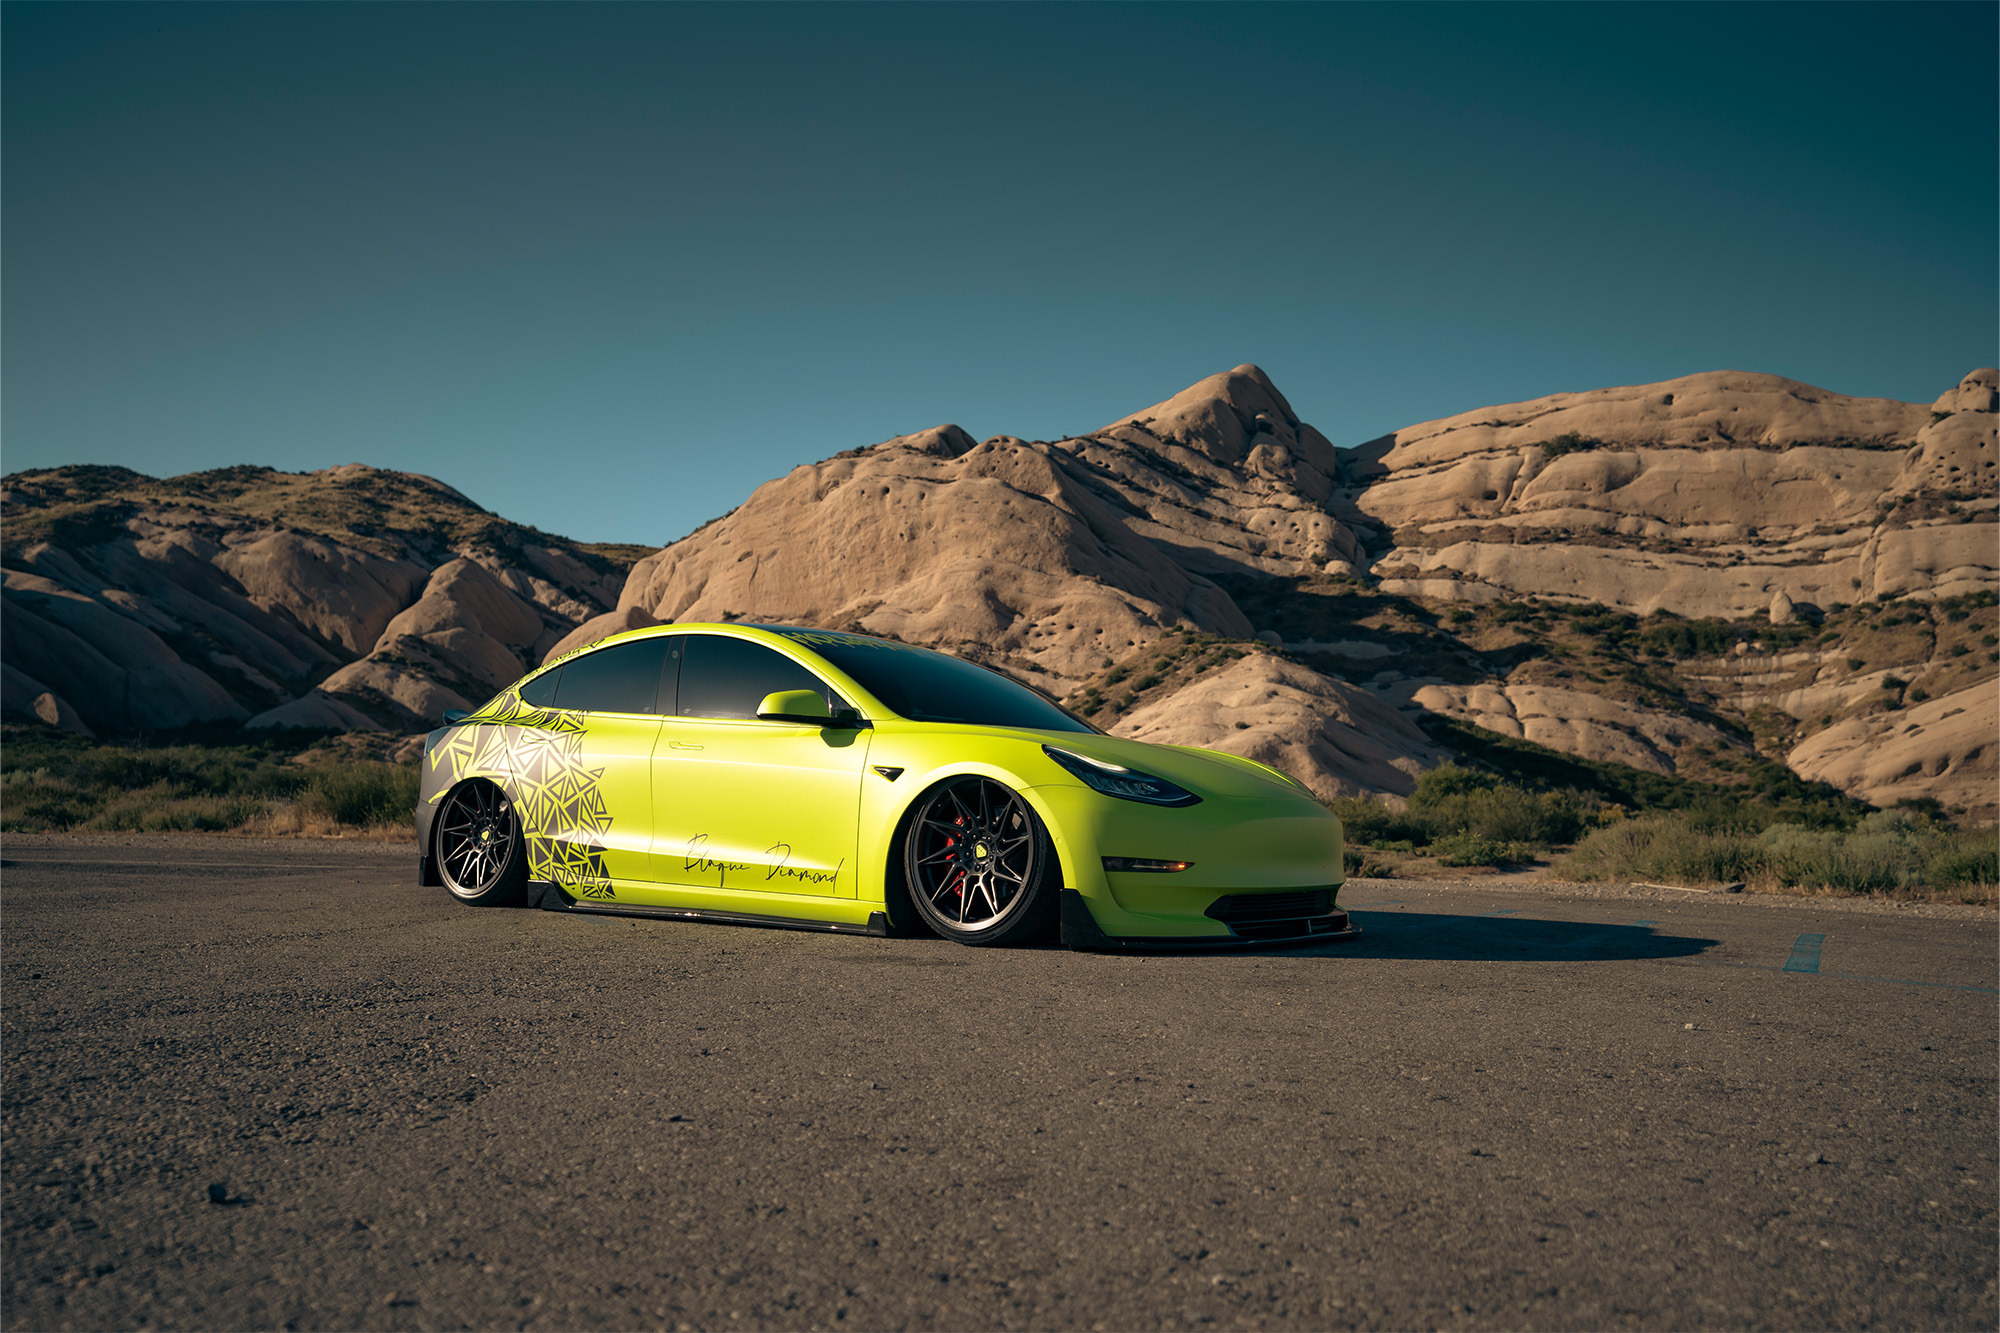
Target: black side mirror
x=453 y=716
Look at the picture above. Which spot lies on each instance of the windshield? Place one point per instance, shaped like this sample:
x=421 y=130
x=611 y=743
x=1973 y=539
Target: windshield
x=930 y=687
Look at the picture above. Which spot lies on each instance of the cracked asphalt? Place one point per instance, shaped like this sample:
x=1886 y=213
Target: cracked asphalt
x=275 y=1084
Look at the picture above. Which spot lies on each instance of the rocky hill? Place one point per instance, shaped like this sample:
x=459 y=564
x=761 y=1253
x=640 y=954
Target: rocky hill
x=347 y=598
x=1514 y=568
x=1688 y=577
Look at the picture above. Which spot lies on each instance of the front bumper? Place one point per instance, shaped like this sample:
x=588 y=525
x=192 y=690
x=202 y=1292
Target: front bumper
x=1263 y=870
x=1080 y=931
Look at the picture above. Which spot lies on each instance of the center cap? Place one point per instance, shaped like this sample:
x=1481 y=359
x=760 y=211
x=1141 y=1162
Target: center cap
x=979 y=850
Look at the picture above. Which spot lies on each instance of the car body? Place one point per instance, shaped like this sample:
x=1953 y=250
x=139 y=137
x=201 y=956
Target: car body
x=828 y=811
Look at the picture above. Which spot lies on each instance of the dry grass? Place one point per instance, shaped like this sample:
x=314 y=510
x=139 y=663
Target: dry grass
x=52 y=783
x=1891 y=854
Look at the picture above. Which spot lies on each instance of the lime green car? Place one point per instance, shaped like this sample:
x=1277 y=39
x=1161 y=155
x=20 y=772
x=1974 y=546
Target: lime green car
x=796 y=777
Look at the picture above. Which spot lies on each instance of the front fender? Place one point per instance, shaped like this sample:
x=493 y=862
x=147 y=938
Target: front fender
x=885 y=806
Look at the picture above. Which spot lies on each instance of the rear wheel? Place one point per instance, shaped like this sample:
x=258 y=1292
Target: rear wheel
x=979 y=865
x=479 y=847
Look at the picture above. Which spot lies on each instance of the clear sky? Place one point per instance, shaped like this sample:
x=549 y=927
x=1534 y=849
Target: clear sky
x=607 y=268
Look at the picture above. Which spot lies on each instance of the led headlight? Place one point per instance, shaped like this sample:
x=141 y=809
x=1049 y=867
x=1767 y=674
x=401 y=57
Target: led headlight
x=1127 y=784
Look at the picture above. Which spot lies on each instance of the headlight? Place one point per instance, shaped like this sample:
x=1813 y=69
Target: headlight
x=1127 y=784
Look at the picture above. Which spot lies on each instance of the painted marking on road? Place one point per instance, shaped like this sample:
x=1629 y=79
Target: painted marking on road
x=1805 y=954
x=1855 y=976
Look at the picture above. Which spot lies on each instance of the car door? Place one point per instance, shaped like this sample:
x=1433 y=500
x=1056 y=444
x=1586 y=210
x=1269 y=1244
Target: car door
x=743 y=804
x=584 y=773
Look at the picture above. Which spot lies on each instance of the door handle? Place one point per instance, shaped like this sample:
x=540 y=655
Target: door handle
x=681 y=745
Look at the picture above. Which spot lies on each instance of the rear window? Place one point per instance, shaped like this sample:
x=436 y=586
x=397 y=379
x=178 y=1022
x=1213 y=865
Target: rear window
x=931 y=687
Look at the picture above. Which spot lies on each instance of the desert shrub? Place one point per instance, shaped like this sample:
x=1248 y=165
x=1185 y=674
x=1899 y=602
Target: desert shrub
x=158 y=809
x=1570 y=442
x=363 y=794
x=1967 y=858
x=37 y=801
x=1372 y=823
x=1770 y=792
x=1689 y=638
x=52 y=781
x=1887 y=851
x=1469 y=849
x=1660 y=847
x=1447 y=780
x=1453 y=800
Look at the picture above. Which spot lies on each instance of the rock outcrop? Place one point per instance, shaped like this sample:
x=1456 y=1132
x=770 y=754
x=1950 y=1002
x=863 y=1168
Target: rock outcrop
x=994 y=548
x=1335 y=738
x=463 y=641
x=1711 y=495
x=247 y=595
x=1947 y=749
x=1591 y=726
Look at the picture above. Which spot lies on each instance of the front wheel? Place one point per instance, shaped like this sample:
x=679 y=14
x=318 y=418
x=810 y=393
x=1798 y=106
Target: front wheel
x=979 y=865
x=479 y=847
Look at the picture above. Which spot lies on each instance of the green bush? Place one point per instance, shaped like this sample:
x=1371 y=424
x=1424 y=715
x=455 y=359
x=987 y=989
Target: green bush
x=1373 y=824
x=1689 y=638
x=1453 y=800
x=363 y=794
x=1469 y=849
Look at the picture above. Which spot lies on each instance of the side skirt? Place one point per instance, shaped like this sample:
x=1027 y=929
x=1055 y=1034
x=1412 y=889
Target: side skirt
x=553 y=897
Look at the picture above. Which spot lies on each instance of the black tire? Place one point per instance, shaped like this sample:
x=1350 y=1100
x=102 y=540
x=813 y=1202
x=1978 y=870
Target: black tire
x=478 y=847
x=978 y=864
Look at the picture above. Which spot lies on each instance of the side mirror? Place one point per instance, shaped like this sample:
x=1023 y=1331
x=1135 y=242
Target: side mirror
x=802 y=706
x=454 y=716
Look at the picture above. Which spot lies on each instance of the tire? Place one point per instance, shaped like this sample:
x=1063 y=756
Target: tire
x=978 y=864
x=478 y=847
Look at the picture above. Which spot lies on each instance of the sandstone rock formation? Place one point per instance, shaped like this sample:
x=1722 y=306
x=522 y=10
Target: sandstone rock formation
x=464 y=640
x=993 y=547
x=1947 y=749
x=153 y=605
x=1591 y=726
x=1335 y=738
x=600 y=627
x=1709 y=495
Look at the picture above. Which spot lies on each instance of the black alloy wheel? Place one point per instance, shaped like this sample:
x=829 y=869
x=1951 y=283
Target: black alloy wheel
x=979 y=865
x=479 y=851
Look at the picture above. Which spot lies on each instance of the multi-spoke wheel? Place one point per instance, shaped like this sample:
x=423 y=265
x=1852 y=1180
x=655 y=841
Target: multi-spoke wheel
x=478 y=845
x=978 y=864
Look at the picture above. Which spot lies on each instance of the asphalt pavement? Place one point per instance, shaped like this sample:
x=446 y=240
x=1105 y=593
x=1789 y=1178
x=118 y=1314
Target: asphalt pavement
x=276 y=1084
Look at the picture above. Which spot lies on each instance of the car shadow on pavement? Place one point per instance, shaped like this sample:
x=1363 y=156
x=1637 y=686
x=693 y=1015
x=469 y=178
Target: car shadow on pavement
x=1497 y=938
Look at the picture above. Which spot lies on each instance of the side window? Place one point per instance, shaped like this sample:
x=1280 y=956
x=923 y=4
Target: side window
x=541 y=691
x=624 y=678
x=729 y=677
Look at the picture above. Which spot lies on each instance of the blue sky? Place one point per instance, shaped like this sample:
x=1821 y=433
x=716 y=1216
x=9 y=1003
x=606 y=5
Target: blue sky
x=606 y=268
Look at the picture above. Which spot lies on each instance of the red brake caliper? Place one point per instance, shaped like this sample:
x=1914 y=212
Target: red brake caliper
x=958 y=888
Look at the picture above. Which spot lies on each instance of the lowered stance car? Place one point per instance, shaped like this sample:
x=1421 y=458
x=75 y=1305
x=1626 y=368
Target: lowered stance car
x=803 y=778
